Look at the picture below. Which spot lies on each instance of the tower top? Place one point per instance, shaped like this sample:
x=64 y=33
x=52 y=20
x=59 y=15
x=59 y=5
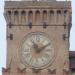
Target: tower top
x=30 y=0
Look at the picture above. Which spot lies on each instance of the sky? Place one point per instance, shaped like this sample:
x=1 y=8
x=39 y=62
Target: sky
x=3 y=34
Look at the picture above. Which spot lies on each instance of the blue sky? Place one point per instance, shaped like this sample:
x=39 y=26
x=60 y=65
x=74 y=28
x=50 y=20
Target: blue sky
x=3 y=33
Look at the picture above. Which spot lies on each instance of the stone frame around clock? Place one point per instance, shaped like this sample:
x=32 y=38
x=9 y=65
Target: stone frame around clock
x=44 y=67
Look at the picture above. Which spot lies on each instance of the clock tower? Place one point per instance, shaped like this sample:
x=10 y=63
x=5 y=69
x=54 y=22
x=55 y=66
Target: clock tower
x=37 y=37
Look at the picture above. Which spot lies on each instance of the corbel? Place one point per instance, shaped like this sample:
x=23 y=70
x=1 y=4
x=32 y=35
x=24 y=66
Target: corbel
x=66 y=71
x=52 y=71
x=6 y=69
x=36 y=70
x=21 y=68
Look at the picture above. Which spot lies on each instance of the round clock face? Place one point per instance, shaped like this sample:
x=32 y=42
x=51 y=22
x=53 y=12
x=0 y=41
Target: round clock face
x=36 y=50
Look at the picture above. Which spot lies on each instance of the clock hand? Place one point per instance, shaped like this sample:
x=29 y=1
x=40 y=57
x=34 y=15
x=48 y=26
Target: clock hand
x=39 y=49
x=42 y=48
x=35 y=46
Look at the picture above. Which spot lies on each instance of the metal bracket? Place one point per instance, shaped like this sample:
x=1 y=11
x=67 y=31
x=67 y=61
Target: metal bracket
x=30 y=25
x=64 y=36
x=45 y=25
x=10 y=36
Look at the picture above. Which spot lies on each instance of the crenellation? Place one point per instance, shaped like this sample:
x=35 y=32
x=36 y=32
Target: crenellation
x=32 y=4
x=50 y=16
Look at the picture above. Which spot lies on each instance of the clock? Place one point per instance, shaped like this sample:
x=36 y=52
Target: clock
x=36 y=50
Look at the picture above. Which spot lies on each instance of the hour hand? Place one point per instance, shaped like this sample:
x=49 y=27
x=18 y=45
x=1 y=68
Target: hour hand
x=35 y=45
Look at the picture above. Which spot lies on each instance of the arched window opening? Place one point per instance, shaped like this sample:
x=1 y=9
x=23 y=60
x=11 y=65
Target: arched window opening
x=9 y=13
x=23 y=17
x=37 y=17
x=59 y=12
x=52 y=12
x=51 y=16
x=59 y=16
x=65 y=15
x=44 y=16
x=16 y=17
x=30 y=17
x=65 y=11
x=9 y=16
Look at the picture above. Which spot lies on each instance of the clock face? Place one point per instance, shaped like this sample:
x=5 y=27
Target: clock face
x=36 y=50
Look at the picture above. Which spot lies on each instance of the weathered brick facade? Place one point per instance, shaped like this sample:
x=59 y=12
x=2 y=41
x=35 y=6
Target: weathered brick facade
x=50 y=17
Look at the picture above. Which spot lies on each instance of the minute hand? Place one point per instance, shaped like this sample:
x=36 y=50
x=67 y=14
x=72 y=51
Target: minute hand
x=35 y=45
x=42 y=48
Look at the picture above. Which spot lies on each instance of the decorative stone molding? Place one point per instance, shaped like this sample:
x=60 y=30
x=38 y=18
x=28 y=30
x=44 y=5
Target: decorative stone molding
x=36 y=70
x=15 y=17
x=6 y=69
x=66 y=71
x=21 y=68
x=52 y=71
x=66 y=65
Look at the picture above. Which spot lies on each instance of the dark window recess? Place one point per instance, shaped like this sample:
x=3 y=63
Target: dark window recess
x=65 y=36
x=30 y=25
x=59 y=12
x=45 y=25
x=10 y=37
